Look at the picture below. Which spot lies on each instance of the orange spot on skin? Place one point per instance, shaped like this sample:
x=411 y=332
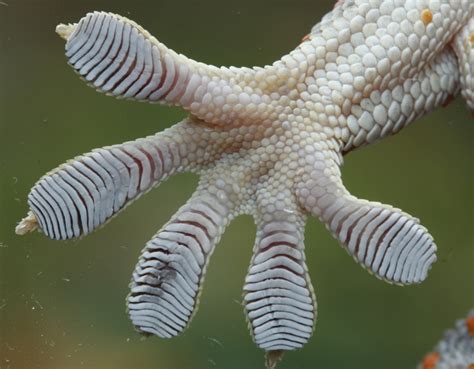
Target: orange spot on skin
x=470 y=326
x=430 y=360
x=471 y=366
x=472 y=38
x=305 y=38
x=426 y=16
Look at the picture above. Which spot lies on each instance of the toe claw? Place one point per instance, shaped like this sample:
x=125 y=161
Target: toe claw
x=27 y=224
x=272 y=358
x=65 y=30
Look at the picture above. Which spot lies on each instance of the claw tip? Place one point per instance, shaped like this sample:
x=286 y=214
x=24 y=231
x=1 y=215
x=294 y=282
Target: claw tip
x=65 y=30
x=27 y=224
x=272 y=358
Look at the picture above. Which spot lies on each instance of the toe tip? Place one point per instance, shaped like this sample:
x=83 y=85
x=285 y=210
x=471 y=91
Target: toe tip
x=65 y=30
x=272 y=358
x=27 y=224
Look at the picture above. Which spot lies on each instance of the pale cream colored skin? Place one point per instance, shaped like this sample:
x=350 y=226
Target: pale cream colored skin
x=267 y=142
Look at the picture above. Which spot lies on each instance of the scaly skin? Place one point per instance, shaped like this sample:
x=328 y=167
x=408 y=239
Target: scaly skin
x=267 y=142
x=455 y=350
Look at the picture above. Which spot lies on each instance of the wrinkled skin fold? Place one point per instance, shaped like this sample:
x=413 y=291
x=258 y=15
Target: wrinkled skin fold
x=267 y=142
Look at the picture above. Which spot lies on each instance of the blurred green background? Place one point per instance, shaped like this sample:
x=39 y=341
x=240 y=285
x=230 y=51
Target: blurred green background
x=62 y=304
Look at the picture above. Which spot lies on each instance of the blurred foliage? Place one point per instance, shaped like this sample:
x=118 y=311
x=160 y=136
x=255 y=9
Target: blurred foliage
x=62 y=303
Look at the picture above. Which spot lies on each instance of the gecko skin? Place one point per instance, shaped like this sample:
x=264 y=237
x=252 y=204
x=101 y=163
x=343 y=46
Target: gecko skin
x=455 y=350
x=267 y=142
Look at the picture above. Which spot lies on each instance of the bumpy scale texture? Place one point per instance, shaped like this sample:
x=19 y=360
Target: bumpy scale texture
x=456 y=349
x=267 y=142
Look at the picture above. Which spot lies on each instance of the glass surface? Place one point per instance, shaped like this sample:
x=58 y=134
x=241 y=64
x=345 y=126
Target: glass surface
x=62 y=303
